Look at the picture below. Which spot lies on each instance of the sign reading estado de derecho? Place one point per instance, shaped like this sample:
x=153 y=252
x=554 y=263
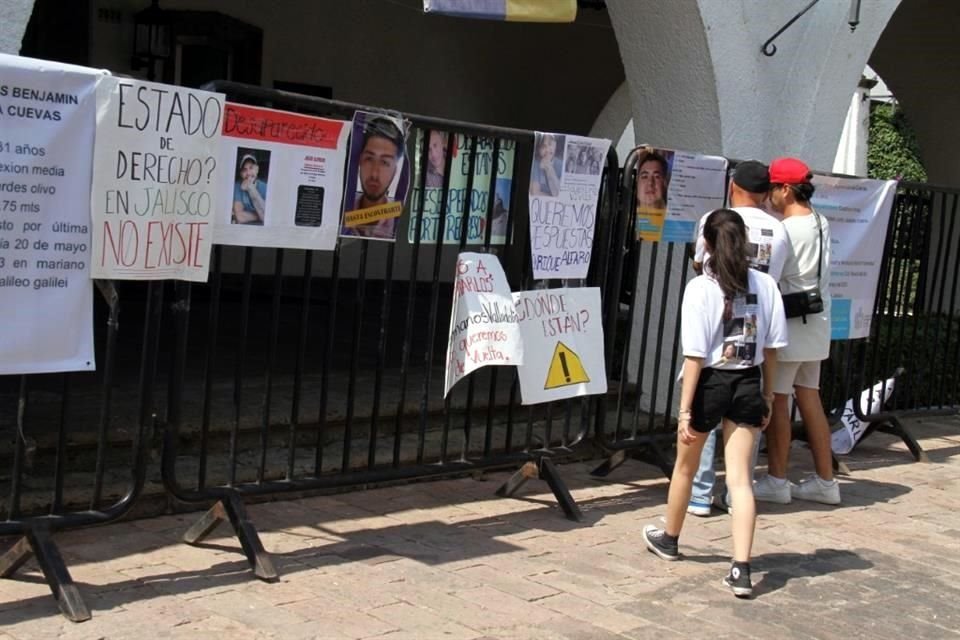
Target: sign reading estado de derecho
x=47 y=113
x=155 y=180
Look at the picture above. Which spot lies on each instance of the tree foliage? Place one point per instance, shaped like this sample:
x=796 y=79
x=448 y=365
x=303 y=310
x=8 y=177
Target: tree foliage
x=892 y=148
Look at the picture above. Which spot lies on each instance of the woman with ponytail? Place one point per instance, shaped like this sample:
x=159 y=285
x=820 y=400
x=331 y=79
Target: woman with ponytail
x=732 y=323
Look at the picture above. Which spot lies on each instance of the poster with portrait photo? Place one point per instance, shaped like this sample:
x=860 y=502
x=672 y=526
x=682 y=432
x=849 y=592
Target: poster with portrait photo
x=285 y=179
x=378 y=177
x=428 y=205
x=674 y=188
x=564 y=192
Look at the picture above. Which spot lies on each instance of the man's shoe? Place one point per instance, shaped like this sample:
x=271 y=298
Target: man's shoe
x=814 y=489
x=766 y=489
x=738 y=580
x=723 y=503
x=698 y=509
x=659 y=543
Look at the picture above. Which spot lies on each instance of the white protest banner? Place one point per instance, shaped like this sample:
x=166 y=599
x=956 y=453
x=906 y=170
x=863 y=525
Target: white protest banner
x=483 y=323
x=562 y=342
x=565 y=178
x=282 y=179
x=155 y=180
x=858 y=210
x=674 y=188
x=47 y=116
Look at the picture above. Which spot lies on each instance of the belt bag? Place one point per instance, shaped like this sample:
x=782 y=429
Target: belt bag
x=807 y=303
x=802 y=304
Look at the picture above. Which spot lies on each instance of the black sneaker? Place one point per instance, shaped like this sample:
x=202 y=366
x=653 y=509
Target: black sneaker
x=660 y=543
x=739 y=580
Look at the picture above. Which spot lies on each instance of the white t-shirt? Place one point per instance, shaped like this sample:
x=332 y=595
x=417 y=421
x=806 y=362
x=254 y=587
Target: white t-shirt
x=769 y=244
x=757 y=323
x=809 y=342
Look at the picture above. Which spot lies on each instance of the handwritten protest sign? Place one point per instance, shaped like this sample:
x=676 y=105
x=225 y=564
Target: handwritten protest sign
x=483 y=322
x=155 y=180
x=563 y=344
x=565 y=178
x=282 y=180
x=47 y=115
x=674 y=188
x=479 y=198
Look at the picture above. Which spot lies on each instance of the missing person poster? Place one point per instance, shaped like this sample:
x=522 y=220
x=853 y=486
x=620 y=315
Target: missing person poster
x=483 y=322
x=155 y=180
x=674 y=188
x=562 y=344
x=283 y=179
x=47 y=117
x=481 y=205
x=565 y=178
x=859 y=211
x=378 y=176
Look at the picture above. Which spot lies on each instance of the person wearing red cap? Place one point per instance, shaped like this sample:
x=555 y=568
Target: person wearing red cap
x=798 y=374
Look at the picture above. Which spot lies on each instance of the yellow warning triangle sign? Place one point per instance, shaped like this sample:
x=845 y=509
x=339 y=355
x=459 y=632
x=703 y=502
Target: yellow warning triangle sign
x=565 y=368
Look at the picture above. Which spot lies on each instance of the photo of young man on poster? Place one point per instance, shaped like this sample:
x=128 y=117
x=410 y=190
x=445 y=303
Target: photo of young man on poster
x=250 y=188
x=377 y=168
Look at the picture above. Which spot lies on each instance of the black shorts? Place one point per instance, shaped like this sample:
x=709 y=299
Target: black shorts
x=733 y=394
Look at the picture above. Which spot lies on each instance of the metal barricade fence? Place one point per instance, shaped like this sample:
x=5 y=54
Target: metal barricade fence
x=328 y=370
x=71 y=463
x=915 y=331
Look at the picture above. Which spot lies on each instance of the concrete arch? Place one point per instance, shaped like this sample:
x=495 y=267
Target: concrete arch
x=918 y=58
x=697 y=79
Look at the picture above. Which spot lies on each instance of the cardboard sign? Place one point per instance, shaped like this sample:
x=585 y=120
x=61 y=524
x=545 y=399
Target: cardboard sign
x=47 y=116
x=155 y=180
x=483 y=322
x=563 y=344
x=565 y=178
x=283 y=179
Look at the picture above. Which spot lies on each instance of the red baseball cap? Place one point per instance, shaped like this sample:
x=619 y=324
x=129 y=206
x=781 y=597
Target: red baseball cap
x=789 y=171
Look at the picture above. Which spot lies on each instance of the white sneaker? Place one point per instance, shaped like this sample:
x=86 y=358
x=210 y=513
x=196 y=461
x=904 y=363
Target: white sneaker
x=816 y=489
x=766 y=489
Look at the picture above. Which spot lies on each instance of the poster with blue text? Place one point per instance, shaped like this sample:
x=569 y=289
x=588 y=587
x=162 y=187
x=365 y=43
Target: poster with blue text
x=859 y=211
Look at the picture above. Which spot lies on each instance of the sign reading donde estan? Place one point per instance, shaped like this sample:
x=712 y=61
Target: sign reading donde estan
x=563 y=344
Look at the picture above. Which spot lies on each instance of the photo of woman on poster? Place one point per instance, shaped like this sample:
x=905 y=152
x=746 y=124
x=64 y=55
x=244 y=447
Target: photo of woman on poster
x=436 y=155
x=547 y=168
x=250 y=187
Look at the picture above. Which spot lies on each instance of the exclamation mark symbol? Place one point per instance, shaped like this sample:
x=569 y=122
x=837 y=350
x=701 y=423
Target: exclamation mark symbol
x=563 y=363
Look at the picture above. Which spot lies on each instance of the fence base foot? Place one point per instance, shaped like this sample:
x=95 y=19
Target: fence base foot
x=545 y=469
x=612 y=462
x=231 y=508
x=839 y=466
x=895 y=427
x=38 y=543
x=646 y=450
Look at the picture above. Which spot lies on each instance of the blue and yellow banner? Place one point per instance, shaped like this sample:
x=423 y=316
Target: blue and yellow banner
x=509 y=10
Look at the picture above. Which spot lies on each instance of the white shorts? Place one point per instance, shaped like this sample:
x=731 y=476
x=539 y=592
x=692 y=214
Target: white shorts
x=796 y=374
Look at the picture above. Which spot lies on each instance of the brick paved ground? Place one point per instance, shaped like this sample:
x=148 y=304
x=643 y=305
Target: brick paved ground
x=448 y=559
